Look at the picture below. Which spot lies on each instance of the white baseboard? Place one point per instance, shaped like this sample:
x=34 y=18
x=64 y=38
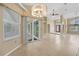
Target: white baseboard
x=12 y=50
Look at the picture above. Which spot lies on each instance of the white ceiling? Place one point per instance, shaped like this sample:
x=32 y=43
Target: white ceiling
x=65 y=9
x=62 y=8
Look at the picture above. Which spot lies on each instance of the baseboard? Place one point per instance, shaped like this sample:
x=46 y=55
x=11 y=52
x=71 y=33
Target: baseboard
x=12 y=50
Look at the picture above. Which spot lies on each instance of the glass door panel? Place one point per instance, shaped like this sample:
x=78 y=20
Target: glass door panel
x=36 y=30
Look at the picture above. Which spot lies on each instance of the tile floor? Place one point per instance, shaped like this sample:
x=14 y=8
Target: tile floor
x=51 y=45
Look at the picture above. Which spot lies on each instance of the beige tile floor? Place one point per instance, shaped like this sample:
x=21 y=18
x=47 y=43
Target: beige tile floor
x=51 y=45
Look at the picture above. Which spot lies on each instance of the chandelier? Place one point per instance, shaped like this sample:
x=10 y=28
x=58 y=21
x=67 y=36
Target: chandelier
x=38 y=10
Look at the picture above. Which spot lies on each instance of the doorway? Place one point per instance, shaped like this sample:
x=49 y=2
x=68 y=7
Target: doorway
x=31 y=30
x=36 y=29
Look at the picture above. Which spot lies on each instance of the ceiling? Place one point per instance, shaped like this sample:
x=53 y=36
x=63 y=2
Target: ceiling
x=60 y=8
x=68 y=10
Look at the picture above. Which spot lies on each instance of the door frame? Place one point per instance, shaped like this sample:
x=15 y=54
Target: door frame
x=25 y=31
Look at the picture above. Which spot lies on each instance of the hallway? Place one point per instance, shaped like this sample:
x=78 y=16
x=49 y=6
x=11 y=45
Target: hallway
x=51 y=45
x=49 y=29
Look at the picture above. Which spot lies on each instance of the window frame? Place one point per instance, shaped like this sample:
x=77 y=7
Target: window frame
x=18 y=24
x=73 y=25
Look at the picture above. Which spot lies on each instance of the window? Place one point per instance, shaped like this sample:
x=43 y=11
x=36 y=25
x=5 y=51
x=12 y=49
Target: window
x=11 y=24
x=74 y=25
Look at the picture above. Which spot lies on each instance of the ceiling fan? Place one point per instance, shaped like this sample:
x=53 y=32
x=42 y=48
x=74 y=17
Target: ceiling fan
x=54 y=14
